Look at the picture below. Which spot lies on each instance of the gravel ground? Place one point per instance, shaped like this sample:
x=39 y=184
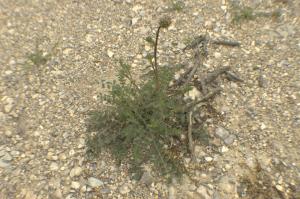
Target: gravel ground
x=43 y=107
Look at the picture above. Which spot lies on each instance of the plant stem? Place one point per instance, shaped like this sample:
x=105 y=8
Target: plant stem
x=190 y=138
x=155 y=59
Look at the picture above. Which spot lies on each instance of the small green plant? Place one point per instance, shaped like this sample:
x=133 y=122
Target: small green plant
x=145 y=121
x=38 y=57
x=243 y=14
x=177 y=5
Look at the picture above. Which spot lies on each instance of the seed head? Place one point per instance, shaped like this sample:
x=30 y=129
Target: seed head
x=165 y=22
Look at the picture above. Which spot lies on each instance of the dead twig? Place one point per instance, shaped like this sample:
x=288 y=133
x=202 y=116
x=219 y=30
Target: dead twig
x=183 y=77
x=226 y=43
x=198 y=63
x=261 y=80
x=204 y=99
x=198 y=40
x=233 y=77
x=187 y=76
x=190 y=138
x=216 y=73
x=201 y=84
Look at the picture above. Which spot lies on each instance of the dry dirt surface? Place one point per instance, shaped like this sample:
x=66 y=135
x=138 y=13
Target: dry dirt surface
x=45 y=96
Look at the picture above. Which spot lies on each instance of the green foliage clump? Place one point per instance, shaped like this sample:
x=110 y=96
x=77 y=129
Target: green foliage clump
x=38 y=58
x=144 y=121
x=243 y=14
x=177 y=5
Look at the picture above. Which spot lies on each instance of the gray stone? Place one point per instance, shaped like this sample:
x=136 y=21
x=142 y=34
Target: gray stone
x=124 y=189
x=105 y=190
x=181 y=46
x=4 y=164
x=286 y=30
x=110 y=53
x=134 y=21
x=230 y=139
x=172 y=192
x=208 y=159
x=279 y=188
x=2 y=153
x=94 y=182
x=216 y=195
x=75 y=185
x=222 y=133
x=15 y=153
x=199 y=20
x=147 y=178
x=6 y=157
x=53 y=166
x=227 y=185
x=76 y=171
x=204 y=192
x=9 y=105
x=57 y=194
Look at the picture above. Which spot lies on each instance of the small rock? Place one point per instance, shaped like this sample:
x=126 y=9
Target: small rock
x=76 y=171
x=53 y=166
x=181 y=46
x=286 y=30
x=89 y=38
x=6 y=157
x=75 y=185
x=9 y=104
x=217 y=55
x=251 y=162
x=279 y=188
x=15 y=153
x=110 y=53
x=57 y=194
x=222 y=133
x=208 y=159
x=62 y=156
x=172 y=192
x=2 y=153
x=199 y=20
x=264 y=160
x=204 y=192
x=147 y=178
x=228 y=166
x=193 y=94
x=94 y=182
x=263 y=126
x=230 y=139
x=199 y=151
x=83 y=188
x=216 y=195
x=8 y=133
x=262 y=81
x=81 y=143
x=4 y=164
x=30 y=195
x=8 y=72
x=209 y=24
x=67 y=51
x=227 y=185
x=134 y=21
x=124 y=189
x=224 y=149
x=105 y=190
